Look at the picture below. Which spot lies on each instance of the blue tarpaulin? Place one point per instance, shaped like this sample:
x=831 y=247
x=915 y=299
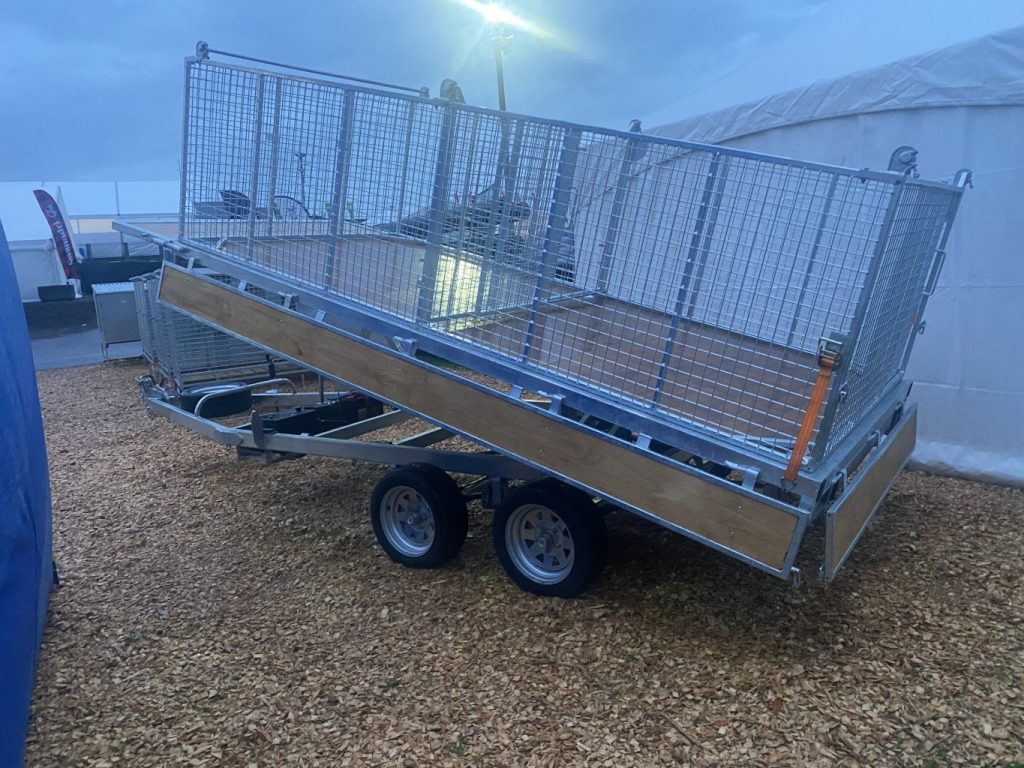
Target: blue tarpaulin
x=25 y=557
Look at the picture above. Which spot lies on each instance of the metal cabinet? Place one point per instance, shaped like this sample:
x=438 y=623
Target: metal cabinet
x=115 y=314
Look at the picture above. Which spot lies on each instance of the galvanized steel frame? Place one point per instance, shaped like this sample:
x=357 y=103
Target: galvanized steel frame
x=824 y=213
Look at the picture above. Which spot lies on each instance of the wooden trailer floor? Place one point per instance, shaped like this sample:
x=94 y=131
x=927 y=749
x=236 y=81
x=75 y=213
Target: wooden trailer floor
x=715 y=379
x=223 y=614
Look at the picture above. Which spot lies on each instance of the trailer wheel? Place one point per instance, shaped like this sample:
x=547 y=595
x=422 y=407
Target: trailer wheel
x=550 y=539
x=594 y=516
x=419 y=516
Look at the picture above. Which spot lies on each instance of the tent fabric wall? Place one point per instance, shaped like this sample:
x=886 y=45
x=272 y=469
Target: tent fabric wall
x=35 y=264
x=961 y=106
x=26 y=565
x=985 y=71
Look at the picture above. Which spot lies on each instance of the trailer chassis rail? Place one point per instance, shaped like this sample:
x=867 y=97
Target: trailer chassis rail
x=341 y=442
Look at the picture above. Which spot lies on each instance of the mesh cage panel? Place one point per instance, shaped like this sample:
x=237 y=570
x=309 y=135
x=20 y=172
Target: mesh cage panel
x=691 y=282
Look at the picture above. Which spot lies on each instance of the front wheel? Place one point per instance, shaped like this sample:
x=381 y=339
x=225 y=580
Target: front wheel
x=550 y=539
x=419 y=516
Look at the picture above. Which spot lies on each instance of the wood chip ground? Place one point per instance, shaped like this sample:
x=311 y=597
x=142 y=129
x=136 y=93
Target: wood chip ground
x=216 y=613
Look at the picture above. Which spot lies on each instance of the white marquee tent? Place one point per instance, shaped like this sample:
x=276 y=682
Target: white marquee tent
x=960 y=106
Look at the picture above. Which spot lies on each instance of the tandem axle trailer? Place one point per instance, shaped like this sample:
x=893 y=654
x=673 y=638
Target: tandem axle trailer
x=710 y=338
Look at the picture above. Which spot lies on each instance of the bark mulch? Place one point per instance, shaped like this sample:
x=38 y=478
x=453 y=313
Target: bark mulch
x=223 y=613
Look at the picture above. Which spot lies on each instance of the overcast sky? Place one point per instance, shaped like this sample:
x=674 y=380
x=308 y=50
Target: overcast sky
x=92 y=90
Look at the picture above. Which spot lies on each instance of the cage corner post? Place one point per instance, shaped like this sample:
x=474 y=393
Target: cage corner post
x=183 y=161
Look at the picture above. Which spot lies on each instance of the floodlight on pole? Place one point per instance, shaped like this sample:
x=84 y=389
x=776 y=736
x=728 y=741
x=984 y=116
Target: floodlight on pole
x=499 y=18
x=500 y=39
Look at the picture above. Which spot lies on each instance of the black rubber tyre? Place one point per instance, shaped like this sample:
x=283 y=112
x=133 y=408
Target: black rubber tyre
x=419 y=516
x=550 y=538
x=226 y=405
x=594 y=517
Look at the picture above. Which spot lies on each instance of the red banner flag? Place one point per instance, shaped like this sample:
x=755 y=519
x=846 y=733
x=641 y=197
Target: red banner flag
x=61 y=233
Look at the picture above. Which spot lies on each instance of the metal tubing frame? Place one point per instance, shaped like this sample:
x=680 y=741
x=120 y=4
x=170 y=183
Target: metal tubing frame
x=862 y=420
x=338 y=443
x=342 y=163
x=485 y=464
x=558 y=212
x=826 y=210
x=701 y=443
x=208 y=50
x=186 y=109
x=438 y=211
x=727 y=447
x=632 y=155
x=250 y=387
x=682 y=145
x=963 y=179
x=497 y=216
x=708 y=227
x=400 y=211
x=389 y=419
x=508 y=184
x=274 y=151
x=254 y=182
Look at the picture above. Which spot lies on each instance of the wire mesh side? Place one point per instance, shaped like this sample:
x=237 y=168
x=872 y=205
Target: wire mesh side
x=183 y=351
x=690 y=281
x=877 y=354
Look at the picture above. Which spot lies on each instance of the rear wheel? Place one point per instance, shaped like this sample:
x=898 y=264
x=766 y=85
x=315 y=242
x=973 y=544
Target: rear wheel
x=419 y=516
x=550 y=539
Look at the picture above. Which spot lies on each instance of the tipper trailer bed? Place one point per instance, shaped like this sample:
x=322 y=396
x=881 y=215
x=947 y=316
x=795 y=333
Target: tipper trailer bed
x=711 y=338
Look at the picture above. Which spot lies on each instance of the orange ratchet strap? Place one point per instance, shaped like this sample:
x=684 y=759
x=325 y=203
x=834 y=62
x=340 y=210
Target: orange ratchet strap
x=828 y=358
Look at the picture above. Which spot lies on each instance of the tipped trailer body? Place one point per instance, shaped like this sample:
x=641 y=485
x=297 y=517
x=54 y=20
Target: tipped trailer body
x=711 y=338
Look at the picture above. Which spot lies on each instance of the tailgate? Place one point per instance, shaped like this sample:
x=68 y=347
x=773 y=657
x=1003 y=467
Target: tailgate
x=852 y=511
